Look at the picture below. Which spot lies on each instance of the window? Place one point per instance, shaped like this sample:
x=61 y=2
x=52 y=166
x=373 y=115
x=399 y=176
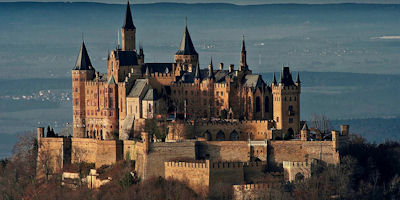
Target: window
x=186 y=92
x=149 y=107
x=76 y=89
x=217 y=93
x=258 y=104
x=290 y=120
x=291 y=111
x=266 y=104
x=277 y=119
x=222 y=93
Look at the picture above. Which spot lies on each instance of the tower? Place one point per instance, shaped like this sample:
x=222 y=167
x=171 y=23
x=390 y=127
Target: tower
x=110 y=125
x=128 y=32
x=243 y=57
x=82 y=72
x=304 y=133
x=286 y=104
x=186 y=54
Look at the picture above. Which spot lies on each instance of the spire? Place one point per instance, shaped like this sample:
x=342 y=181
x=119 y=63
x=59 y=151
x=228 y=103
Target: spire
x=274 y=79
x=83 y=60
x=211 y=70
x=243 y=44
x=305 y=127
x=298 y=78
x=112 y=80
x=243 y=59
x=186 y=47
x=197 y=74
x=128 y=18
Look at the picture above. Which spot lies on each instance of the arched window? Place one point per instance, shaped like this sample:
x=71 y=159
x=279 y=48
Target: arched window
x=220 y=136
x=266 y=104
x=207 y=135
x=258 y=104
x=234 y=136
x=290 y=134
x=249 y=103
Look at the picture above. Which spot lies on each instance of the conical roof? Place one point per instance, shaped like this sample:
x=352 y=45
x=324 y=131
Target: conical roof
x=186 y=47
x=112 y=80
x=197 y=73
x=298 y=78
x=128 y=24
x=83 y=60
x=305 y=127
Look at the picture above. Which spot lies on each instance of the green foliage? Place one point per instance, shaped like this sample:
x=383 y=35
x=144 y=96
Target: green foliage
x=152 y=128
x=126 y=181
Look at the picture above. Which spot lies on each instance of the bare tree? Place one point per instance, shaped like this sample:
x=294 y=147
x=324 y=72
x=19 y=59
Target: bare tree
x=321 y=123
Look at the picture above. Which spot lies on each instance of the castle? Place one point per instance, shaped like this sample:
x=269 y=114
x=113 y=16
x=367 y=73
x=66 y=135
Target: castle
x=228 y=125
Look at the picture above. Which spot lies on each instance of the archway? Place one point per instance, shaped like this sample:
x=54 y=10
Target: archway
x=220 y=136
x=290 y=133
x=234 y=136
x=299 y=177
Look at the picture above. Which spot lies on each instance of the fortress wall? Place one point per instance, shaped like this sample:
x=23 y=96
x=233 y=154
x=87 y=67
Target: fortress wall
x=253 y=191
x=223 y=150
x=195 y=174
x=83 y=150
x=129 y=148
x=163 y=152
x=300 y=151
x=54 y=152
x=258 y=129
x=254 y=171
x=108 y=152
x=224 y=174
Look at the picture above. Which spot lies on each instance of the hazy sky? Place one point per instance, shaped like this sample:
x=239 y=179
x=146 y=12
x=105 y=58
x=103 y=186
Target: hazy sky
x=221 y=1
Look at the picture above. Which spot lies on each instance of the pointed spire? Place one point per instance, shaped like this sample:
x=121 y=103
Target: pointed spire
x=305 y=127
x=186 y=47
x=286 y=77
x=211 y=70
x=147 y=73
x=128 y=24
x=83 y=60
x=298 y=78
x=243 y=44
x=197 y=74
x=274 y=79
x=112 y=80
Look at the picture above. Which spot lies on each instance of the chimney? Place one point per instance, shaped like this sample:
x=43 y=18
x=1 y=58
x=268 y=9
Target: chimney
x=221 y=66
x=231 y=68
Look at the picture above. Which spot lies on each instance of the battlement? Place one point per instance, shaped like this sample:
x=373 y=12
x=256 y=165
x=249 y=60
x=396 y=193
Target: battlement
x=232 y=123
x=295 y=164
x=281 y=87
x=194 y=164
x=254 y=186
x=161 y=75
x=220 y=85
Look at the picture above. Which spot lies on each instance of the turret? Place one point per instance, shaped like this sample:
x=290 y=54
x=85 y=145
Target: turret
x=197 y=74
x=304 y=133
x=274 y=79
x=128 y=32
x=82 y=72
x=211 y=71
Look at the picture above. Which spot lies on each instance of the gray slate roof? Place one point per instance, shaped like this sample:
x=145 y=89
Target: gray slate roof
x=286 y=77
x=252 y=80
x=138 y=88
x=186 y=47
x=83 y=60
x=128 y=24
x=157 y=67
x=126 y=58
x=151 y=95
